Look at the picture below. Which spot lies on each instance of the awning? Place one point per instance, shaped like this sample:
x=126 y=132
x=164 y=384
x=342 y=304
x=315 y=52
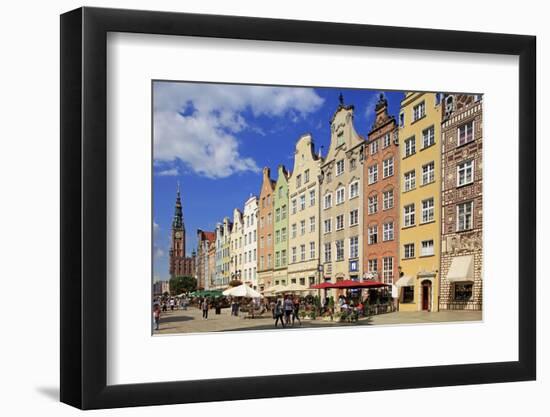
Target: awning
x=405 y=281
x=462 y=269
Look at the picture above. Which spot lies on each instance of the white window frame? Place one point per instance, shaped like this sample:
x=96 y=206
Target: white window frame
x=354 y=247
x=458 y=143
x=354 y=215
x=431 y=138
x=408 y=215
x=373 y=234
x=411 y=254
x=387 y=270
x=388 y=231
x=340 y=222
x=373 y=204
x=327 y=201
x=312 y=198
x=340 y=250
x=374 y=147
x=340 y=167
x=423 y=249
x=373 y=174
x=311 y=250
x=409 y=179
x=428 y=176
x=327 y=225
x=386 y=141
x=410 y=146
x=351 y=187
x=458 y=216
x=387 y=167
x=428 y=213
x=340 y=195
x=459 y=167
x=302 y=202
x=328 y=252
x=385 y=200
x=312 y=224
x=419 y=111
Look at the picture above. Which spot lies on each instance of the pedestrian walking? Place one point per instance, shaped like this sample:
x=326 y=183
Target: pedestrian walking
x=205 y=309
x=156 y=316
x=296 y=311
x=289 y=308
x=278 y=313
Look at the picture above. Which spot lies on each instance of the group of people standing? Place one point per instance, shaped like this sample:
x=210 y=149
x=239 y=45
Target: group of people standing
x=286 y=311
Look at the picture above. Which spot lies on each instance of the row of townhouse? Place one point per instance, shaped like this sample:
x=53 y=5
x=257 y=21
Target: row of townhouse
x=402 y=206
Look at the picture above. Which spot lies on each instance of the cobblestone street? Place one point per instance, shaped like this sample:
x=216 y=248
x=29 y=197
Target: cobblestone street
x=191 y=321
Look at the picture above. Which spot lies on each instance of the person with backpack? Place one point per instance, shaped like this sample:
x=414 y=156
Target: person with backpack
x=278 y=313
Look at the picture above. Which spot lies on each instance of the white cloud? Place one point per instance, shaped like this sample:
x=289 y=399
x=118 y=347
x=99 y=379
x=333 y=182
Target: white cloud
x=172 y=172
x=198 y=123
x=371 y=105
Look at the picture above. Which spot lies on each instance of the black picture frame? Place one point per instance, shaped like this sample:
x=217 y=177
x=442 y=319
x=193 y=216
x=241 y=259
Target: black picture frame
x=84 y=207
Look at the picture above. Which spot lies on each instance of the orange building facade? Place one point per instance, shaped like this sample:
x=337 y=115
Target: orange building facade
x=266 y=231
x=380 y=198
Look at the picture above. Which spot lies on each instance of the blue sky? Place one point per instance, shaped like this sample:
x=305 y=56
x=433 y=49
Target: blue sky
x=216 y=138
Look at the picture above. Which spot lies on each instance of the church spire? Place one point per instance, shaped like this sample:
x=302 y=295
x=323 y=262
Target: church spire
x=177 y=222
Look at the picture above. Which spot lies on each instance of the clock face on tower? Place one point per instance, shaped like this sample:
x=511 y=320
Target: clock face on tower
x=178 y=235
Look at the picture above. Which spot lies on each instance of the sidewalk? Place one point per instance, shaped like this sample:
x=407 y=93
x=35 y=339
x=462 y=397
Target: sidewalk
x=191 y=321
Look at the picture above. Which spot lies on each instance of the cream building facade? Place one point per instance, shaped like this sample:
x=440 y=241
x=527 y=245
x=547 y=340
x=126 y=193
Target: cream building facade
x=250 y=242
x=304 y=215
x=280 y=232
x=341 y=201
x=236 y=245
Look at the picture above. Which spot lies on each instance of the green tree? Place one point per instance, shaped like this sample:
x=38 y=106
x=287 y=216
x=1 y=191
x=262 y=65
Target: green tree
x=181 y=284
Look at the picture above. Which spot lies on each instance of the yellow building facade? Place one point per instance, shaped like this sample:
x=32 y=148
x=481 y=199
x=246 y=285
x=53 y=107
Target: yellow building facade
x=419 y=202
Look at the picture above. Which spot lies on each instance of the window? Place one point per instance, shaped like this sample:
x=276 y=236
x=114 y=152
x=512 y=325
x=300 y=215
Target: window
x=409 y=215
x=387 y=231
x=428 y=210
x=373 y=235
x=464 y=216
x=340 y=195
x=354 y=247
x=410 y=146
x=269 y=260
x=302 y=281
x=465 y=133
x=261 y=242
x=354 y=189
x=328 y=201
x=340 y=167
x=328 y=225
x=302 y=202
x=283 y=212
x=340 y=139
x=428 y=137
x=269 y=218
x=465 y=173
x=374 y=147
x=280 y=192
x=352 y=164
x=312 y=198
x=419 y=111
x=283 y=257
x=387 y=197
x=254 y=236
x=428 y=173
x=261 y=262
x=283 y=234
x=401 y=119
x=386 y=141
x=408 y=295
x=373 y=174
x=373 y=265
x=339 y=250
x=277 y=259
x=373 y=204
x=427 y=248
x=387 y=269
x=302 y=252
x=254 y=255
x=298 y=181
x=268 y=240
x=354 y=217
x=261 y=222
x=340 y=222
x=328 y=252
x=293 y=230
x=277 y=236
x=410 y=180
x=294 y=254
x=387 y=167
x=438 y=98
x=306 y=176
x=463 y=292
x=329 y=176
x=409 y=250
x=312 y=224
x=302 y=227
x=278 y=215
x=311 y=250
x=294 y=206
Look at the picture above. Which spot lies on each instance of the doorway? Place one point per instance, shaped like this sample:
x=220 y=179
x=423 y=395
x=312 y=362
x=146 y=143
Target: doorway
x=426 y=295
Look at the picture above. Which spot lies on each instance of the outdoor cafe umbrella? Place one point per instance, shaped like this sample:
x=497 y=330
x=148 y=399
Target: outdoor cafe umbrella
x=242 y=291
x=272 y=290
x=292 y=288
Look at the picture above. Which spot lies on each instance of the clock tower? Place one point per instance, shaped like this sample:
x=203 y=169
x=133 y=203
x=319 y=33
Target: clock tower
x=177 y=247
